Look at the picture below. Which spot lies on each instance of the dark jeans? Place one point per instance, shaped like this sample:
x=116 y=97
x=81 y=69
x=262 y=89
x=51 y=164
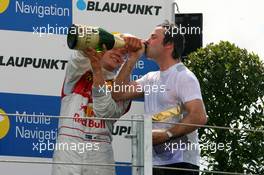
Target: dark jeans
x=177 y=172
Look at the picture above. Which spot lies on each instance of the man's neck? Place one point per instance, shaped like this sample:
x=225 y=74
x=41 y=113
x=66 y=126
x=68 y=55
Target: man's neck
x=166 y=63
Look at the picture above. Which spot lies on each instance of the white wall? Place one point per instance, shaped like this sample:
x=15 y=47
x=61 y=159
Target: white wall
x=238 y=21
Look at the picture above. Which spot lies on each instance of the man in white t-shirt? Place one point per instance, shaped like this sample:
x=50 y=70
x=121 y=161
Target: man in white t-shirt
x=173 y=85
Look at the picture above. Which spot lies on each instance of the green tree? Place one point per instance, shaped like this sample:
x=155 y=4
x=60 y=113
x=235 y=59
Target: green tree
x=232 y=84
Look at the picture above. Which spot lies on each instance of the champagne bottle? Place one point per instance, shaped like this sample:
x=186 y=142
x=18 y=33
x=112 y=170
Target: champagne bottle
x=81 y=37
x=163 y=115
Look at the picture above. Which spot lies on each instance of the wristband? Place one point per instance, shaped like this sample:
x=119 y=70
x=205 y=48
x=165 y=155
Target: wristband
x=170 y=135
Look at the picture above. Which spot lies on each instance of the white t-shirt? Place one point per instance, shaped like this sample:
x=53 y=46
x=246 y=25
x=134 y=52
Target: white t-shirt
x=166 y=89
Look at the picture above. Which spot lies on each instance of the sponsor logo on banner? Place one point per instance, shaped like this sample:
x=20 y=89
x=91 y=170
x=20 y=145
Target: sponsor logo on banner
x=36 y=136
x=29 y=62
x=4 y=124
x=3 y=5
x=34 y=13
x=112 y=7
x=142 y=67
x=119 y=130
x=24 y=126
x=28 y=131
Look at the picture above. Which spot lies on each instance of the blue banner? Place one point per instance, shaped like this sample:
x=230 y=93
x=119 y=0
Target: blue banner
x=52 y=16
x=27 y=136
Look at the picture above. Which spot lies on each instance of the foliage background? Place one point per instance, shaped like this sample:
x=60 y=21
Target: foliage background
x=232 y=84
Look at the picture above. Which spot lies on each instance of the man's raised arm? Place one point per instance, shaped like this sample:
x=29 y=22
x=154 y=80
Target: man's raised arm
x=128 y=89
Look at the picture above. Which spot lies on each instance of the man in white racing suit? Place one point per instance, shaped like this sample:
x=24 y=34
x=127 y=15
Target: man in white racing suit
x=88 y=140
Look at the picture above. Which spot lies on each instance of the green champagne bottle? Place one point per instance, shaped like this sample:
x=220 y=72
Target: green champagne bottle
x=81 y=37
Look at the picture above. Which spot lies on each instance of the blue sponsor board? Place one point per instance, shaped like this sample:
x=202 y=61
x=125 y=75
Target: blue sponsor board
x=143 y=66
x=31 y=136
x=121 y=170
x=24 y=135
x=24 y=15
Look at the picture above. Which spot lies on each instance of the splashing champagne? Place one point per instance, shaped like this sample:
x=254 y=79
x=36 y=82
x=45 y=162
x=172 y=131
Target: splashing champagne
x=81 y=37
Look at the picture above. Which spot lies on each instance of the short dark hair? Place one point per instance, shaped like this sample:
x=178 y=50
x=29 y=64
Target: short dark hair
x=172 y=35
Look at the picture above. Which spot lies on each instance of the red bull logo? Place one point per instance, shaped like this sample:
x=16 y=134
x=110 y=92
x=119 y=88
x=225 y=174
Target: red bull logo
x=87 y=109
x=89 y=122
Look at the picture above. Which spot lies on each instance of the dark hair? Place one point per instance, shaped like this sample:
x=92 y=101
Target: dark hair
x=172 y=35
